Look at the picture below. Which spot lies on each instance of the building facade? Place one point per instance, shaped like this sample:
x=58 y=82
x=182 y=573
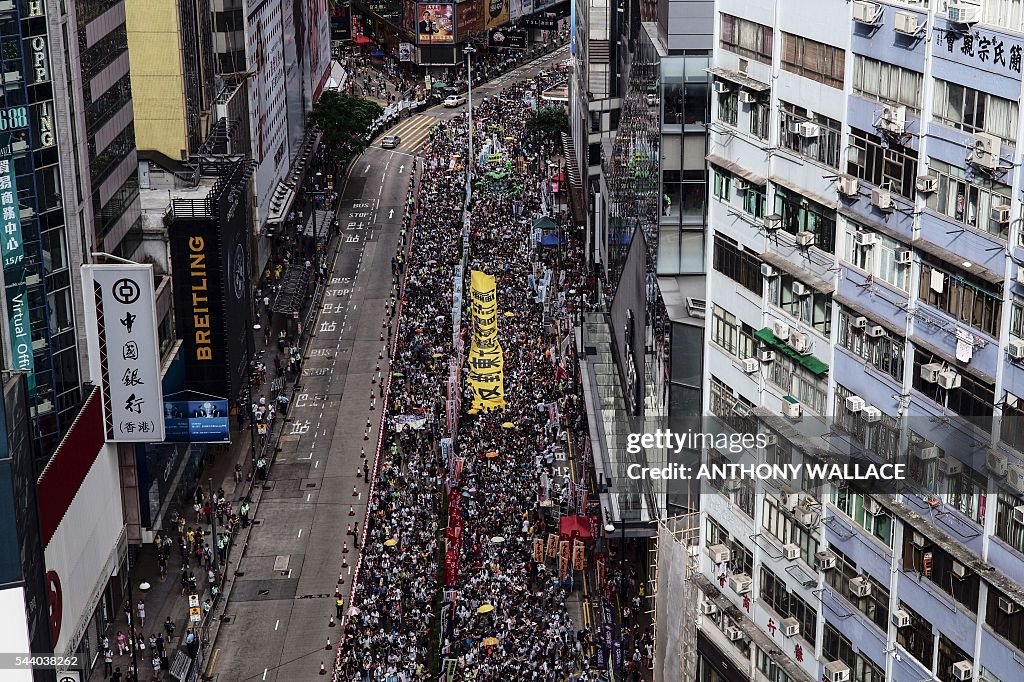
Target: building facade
x=863 y=250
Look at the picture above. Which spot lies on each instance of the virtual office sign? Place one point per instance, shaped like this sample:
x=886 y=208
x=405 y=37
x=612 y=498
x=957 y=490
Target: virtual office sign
x=12 y=251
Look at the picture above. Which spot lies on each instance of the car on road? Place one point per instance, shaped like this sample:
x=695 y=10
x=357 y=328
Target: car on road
x=454 y=100
x=390 y=141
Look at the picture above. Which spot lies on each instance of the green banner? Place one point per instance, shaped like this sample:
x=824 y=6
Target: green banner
x=12 y=251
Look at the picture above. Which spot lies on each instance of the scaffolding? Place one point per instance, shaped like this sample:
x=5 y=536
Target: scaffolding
x=674 y=561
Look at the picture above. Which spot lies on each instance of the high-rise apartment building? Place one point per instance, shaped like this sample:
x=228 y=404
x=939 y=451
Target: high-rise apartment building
x=864 y=299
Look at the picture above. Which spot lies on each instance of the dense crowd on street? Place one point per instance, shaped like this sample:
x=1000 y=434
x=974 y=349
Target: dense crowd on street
x=524 y=632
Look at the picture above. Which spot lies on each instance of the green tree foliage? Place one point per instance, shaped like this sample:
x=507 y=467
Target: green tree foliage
x=548 y=121
x=345 y=121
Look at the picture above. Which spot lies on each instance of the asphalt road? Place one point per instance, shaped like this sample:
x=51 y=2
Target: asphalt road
x=281 y=601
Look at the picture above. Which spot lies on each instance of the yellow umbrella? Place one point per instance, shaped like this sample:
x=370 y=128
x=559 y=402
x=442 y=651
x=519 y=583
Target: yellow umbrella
x=486 y=608
x=509 y=314
x=492 y=454
x=437 y=355
x=390 y=542
x=473 y=410
x=490 y=641
x=508 y=425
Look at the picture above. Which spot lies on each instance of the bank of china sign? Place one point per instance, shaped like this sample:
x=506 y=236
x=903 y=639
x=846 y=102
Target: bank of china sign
x=124 y=351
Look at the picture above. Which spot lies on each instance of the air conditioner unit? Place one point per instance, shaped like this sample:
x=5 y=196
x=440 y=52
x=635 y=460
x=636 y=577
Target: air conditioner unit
x=1018 y=514
x=871 y=506
x=791 y=551
x=1015 y=348
x=959 y=570
x=733 y=633
x=771 y=439
x=986 y=151
x=721 y=87
x=1008 y=605
x=918 y=540
x=854 y=403
x=804 y=238
x=719 y=554
x=871 y=414
x=894 y=119
x=860 y=587
x=837 y=671
x=997 y=463
x=948 y=379
x=930 y=372
x=792 y=408
x=963 y=670
x=881 y=199
x=731 y=485
x=799 y=342
x=740 y=583
x=807 y=129
x=825 y=561
x=930 y=452
x=866 y=12
x=926 y=184
x=950 y=466
x=900 y=618
x=859 y=322
x=708 y=608
x=740 y=185
x=906 y=23
x=865 y=238
x=960 y=12
x=875 y=331
x=800 y=289
x=780 y=330
x=1015 y=478
x=848 y=185
x=790 y=627
x=1020 y=275
x=772 y=222
x=1001 y=214
x=767 y=270
x=904 y=256
x=750 y=365
x=747 y=97
x=805 y=516
x=766 y=355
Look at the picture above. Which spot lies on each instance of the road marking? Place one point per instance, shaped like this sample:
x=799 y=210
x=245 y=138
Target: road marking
x=300 y=533
x=265 y=669
x=276 y=624
x=316 y=465
x=391 y=214
x=308 y=495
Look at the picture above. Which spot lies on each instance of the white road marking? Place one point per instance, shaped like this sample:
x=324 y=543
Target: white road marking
x=308 y=495
x=265 y=669
x=276 y=624
x=300 y=533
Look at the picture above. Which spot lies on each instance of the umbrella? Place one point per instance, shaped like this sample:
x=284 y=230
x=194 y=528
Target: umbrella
x=497 y=540
x=509 y=313
x=473 y=410
x=144 y=586
x=492 y=454
x=508 y=425
x=354 y=611
x=437 y=355
x=490 y=641
x=390 y=542
x=377 y=52
x=485 y=608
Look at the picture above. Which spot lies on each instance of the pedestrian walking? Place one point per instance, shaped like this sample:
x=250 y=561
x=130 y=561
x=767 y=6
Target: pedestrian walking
x=339 y=606
x=108 y=662
x=122 y=643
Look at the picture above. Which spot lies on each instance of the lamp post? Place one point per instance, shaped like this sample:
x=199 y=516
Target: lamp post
x=469 y=50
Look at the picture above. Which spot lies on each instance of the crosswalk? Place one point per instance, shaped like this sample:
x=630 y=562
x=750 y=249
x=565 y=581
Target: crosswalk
x=412 y=132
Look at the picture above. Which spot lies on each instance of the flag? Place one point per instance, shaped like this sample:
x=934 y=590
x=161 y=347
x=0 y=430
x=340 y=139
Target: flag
x=538 y=550
x=552 y=545
x=563 y=558
x=577 y=555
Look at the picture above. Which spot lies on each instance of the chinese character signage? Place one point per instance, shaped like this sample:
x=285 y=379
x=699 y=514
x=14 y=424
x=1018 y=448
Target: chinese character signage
x=984 y=49
x=197 y=421
x=486 y=378
x=436 y=24
x=124 y=355
x=511 y=38
x=12 y=250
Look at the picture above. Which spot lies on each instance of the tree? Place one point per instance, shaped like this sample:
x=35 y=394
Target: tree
x=548 y=120
x=345 y=121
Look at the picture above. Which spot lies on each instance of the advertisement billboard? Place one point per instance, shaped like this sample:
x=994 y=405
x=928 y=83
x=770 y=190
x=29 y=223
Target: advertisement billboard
x=341 y=20
x=510 y=38
x=406 y=52
x=436 y=24
x=496 y=13
x=124 y=350
x=471 y=19
x=197 y=421
x=12 y=250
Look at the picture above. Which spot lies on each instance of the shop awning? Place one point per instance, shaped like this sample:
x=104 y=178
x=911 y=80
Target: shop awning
x=736 y=169
x=809 y=362
x=739 y=78
x=579 y=527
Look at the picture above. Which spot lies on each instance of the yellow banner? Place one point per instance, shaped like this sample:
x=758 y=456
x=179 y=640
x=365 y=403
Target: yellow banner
x=486 y=379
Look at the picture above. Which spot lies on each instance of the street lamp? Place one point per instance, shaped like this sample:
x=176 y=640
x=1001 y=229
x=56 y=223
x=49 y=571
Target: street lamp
x=469 y=51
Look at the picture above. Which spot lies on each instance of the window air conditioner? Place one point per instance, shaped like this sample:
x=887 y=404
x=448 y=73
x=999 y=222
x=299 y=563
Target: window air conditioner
x=1018 y=514
x=740 y=583
x=859 y=322
x=865 y=238
x=747 y=97
x=780 y=330
x=930 y=372
x=789 y=499
x=800 y=289
x=825 y=561
x=1008 y=605
x=1015 y=479
x=848 y=185
x=708 y=608
x=918 y=540
x=790 y=627
x=772 y=222
x=800 y=342
x=950 y=466
x=860 y=587
x=767 y=270
x=792 y=552
x=904 y=256
x=766 y=355
x=807 y=129
x=804 y=238
x=948 y=379
x=961 y=12
x=733 y=633
x=930 y=452
x=871 y=414
x=875 y=331
x=750 y=365
x=963 y=670
x=997 y=463
x=804 y=516
x=906 y=23
x=900 y=618
x=986 y=151
x=881 y=199
x=1001 y=214
x=866 y=12
x=719 y=553
x=837 y=671
x=721 y=87
x=1015 y=348
x=894 y=119
x=740 y=185
x=792 y=408
x=854 y=403
x=959 y=570
x=871 y=506
x=926 y=184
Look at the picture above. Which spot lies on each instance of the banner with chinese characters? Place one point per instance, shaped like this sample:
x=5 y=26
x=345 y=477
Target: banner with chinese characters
x=486 y=380
x=552 y=545
x=563 y=559
x=124 y=351
x=538 y=550
x=12 y=249
x=577 y=555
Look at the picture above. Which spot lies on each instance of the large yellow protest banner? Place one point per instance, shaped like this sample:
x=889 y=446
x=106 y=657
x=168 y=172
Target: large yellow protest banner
x=486 y=379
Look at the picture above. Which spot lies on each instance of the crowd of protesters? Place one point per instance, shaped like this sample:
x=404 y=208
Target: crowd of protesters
x=506 y=613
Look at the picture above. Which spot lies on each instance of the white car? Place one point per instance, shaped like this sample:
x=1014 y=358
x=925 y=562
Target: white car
x=454 y=100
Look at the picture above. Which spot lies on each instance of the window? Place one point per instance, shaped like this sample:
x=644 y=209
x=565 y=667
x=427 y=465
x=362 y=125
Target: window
x=917 y=638
x=966 y=492
x=882 y=164
x=732 y=410
x=814 y=60
x=884 y=353
x=1008 y=530
x=867 y=671
x=974 y=399
x=813 y=309
x=949 y=655
x=723 y=329
x=879 y=260
x=728 y=108
x=745 y=498
x=1009 y=626
x=966 y=298
x=746 y=38
x=770 y=669
x=741 y=267
x=786 y=604
x=825 y=148
x=798 y=382
x=1017 y=318
x=754 y=201
x=716 y=533
x=742 y=558
x=759 y=118
x=938 y=566
x=786 y=529
x=886 y=82
x=881 y=437
x=853 y=505
x=801 y=214
x=722 y=184
x=968 y=202
x=973 y=111
x=1011 y=420
x=836 y=647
